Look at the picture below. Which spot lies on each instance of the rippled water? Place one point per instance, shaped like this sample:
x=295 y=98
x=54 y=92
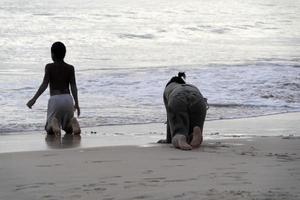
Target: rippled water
x=243 y=55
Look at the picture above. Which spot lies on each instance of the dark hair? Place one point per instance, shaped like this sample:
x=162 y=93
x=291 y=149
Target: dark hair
x=58 y=49
x=177 y=79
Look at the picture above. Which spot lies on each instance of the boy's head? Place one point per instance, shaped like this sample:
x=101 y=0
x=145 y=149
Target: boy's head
x=58 y=51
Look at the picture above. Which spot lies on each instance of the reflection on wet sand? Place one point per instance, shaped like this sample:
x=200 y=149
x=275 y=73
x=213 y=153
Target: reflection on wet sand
x=67 y=141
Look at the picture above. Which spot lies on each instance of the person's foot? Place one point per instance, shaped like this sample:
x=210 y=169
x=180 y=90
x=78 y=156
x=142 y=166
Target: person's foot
x=75 y=126
x=179 y=141
x=197 y=137
x=55 y=127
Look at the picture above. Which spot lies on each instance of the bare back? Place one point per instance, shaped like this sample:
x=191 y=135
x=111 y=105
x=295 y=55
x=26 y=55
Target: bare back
x=59 y=76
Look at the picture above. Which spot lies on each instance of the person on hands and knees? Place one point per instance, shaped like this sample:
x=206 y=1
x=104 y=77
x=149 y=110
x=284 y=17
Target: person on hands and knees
x=60 y=77
x=186 y=112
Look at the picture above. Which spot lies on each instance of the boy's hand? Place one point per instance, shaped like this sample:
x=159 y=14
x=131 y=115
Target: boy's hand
x=76 y=107
x=30 y=103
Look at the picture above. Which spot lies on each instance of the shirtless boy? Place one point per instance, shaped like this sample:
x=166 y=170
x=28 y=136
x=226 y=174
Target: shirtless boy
x=61 y=77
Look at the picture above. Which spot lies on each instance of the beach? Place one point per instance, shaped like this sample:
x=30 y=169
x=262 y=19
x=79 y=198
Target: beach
x=243 y=56
x=230 y=166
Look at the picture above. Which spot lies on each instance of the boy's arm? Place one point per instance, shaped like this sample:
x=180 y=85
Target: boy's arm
x=74 y=91
x=41 y=89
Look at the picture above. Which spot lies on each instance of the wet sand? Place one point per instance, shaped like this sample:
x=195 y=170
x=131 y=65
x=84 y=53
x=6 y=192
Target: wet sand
x=147 y=134
x=227 y=168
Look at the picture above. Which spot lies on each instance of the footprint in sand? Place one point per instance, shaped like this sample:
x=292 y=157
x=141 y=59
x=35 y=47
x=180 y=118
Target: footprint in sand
x=188 y=158
x=50 y=154
x=52 y=197
x=142 y=197
x=101 y=161
x=284 y=157
x=108 y=198
x=54 y=165
x=76 y=196
x=147 y=172
x=154 y=180
x=186 y=195
x=92 y=187
x=180 y=180
x=32 y=186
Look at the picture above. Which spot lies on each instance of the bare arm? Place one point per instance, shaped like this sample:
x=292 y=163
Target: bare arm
x=41 y=89
x=74 y=92
x=168 y=137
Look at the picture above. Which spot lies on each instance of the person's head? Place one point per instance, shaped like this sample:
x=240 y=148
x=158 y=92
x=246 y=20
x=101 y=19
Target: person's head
x=58 y=51
x=178 y=79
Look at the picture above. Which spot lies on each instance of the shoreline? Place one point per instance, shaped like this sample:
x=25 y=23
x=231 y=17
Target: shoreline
x=285 y=125
x=148 y=123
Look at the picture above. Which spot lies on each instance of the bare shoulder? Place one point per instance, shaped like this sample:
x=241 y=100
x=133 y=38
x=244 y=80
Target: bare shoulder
x=71 y=67
x=48 y=66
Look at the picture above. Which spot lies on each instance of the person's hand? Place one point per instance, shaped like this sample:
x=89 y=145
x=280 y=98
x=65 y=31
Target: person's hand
x=163 y=141
x=30 y=103
x=207 y=105
x=76 y=107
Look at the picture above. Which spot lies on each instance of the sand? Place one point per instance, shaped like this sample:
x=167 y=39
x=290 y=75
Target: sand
x=247 y=167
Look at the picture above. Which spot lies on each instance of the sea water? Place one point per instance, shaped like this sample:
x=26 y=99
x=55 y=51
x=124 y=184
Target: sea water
x=242 y=55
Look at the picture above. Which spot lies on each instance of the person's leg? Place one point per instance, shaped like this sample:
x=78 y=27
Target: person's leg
x=68 y=129
x=67 y=125
x=179 y=124
x=53 y=127
x=69 y=122
x=197 y=118
x=72 y=127
x=48 y=129
x=75 y=126
x=197 y=137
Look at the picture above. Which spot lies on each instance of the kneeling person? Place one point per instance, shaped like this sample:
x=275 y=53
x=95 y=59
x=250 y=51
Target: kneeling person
x=60 y=76
x=186 y=112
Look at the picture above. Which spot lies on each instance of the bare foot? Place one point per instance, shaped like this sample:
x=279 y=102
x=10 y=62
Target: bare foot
x=75 y=126
x=197 y=137
x=55 y=126
x=179 y=141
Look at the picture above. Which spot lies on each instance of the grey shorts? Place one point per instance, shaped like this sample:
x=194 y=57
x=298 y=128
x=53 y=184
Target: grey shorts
x=62 y=108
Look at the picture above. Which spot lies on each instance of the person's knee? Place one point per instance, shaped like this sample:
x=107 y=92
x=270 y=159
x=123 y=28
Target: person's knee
x=75 y=126
x=49 y=131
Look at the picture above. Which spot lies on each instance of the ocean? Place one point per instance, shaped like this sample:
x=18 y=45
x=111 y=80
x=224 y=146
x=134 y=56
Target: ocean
x=243 y=55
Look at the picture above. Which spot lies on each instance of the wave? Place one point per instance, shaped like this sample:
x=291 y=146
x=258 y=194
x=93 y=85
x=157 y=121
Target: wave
x=43 y=14
x=246 y=105
x=23 y=88
x=139 y=36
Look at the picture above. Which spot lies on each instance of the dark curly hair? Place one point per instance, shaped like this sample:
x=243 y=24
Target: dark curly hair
x=178 y=79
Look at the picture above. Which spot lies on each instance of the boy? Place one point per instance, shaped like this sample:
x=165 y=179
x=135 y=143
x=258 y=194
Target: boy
x=59 y=75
